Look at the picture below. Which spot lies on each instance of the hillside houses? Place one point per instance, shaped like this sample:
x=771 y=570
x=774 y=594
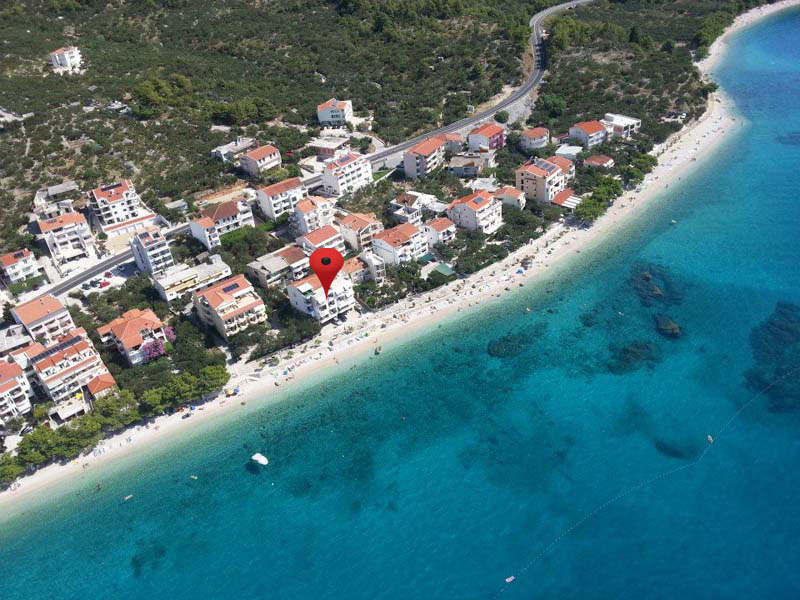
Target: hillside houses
x=219 y=219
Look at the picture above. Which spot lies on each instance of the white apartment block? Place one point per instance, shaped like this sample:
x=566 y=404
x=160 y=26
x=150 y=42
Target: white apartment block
x=335 y=112
x=44 y=318
x=19 y=266
x=54 y=200
x=66 y=59
x=424 y=158
x=347 y=174
x=182 y=279
x=620 y=125
x=151 y=251
x=540 y=180
x=117 y=209
x=532 y=139
x=279 y=198
x=566 y=165
x=477 y=212
x=308 y=297
x=230 y=306
x=277 y=268
x=588 y=133
x=399 y=244
x=365 y=267
x=358 y=229
x=15 y=391
x=219 y=219
x=132 y=332
x=260 y=159
x=68 y=237
x=312 y=213
x=439 y=231
x=324 y=237
x=231 y=151
x=511 y=196
x=408 y=208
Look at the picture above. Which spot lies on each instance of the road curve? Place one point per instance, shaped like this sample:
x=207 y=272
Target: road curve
x=530 y=83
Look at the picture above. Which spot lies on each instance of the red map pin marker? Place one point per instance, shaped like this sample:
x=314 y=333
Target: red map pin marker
x=326 y=263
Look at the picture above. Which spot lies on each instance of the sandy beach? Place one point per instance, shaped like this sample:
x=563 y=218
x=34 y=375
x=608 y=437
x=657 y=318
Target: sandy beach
x=358 y=339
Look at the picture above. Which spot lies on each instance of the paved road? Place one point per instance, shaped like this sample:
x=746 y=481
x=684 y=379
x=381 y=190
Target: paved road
x=530 y=83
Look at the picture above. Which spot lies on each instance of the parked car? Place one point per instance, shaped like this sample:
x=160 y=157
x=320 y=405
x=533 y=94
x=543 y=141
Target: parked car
x=86 y=286
x=109 y=274
x=105 y=284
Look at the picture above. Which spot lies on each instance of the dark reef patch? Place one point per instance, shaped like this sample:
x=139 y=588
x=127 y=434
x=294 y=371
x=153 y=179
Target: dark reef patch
x=632 y=356
x=790 y=139
x=654 y=285
x=666 y=327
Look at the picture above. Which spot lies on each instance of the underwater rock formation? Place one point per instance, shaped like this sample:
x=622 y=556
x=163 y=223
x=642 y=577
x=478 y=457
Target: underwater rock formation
x=632 y=356
x=667 y=327
x=508 y=346
x=654 y=285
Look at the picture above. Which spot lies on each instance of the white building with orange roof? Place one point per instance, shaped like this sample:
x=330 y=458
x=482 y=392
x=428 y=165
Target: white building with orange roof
x=453 y=142
x=399 y=244
x=324 y=237
x=151 y=251
x=424 y=158
x=407 y=208
x=532 y=139
x=132 y=332
x=68 y=237
x=540 y=180
x=566 y=165
x=280 y=198
x=439 y=231
x=335 y=112
x=290 y=263
x=44 y=318
x=256 y=161
x=308 y=297
x=219 y=219
x=312 y=213
x=15 y=391
x=230 y=306
x=67 y=58
x=19 y=266
x=511 y=196
x=488 y=135
x=620 y=126
x=478 y=211
x=358 y=230
x=117 y=209
x=588 y=133
x=233 y=150
x=346 y=174
x=599 y=161
x=566 y=199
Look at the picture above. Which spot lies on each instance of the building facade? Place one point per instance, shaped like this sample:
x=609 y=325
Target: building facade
x=533 y=139
x=439 y=231
x=44 y=318
x=258 y=160
x=347 y=174
x=335 y=112
x=19 y=266
x=588 y=133
x=620 y=125
x=278 y=268
x=312 y=213
x=324 y=237
x=424 y=158
x=151 y=251
x=68 y=237
x=117 y=209
x=358 y=230
x=540 y=180
x=230 y=306
x=488 y=135
x=219 y=219
x=308 y=297
x=15 y=391
x=399 y=244
x=479 y=211
x=182 y=279
x=132 y=333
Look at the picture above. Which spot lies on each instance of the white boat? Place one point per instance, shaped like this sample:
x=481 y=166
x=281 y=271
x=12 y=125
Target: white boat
x=260 y=459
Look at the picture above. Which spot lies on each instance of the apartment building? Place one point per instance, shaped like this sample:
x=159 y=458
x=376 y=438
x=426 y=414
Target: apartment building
x=335 y=112
x=15 y=391
x=230 y=306
x=511 y=196
x=308 y=297
x=182 y=279
x=347 y=174
x=479 y=211
x=424 y=158
x=151 y=251
x=68 y=237
x=279 y=198
x=329 y=147
x=533 y=139
x=132 y=333
x=540 y=180
x=599 y=161
x=312 y=213
x=219 y=219
x=55 y=200
x=19 y=266
x=588 y=133
x=488 y=135
x=231 y=151
x=399 y=244
x=278 y=268
x=256 y=161
x=44 y=318
x=620 y=125
x=472 y=164
x=566 y=165
x=117 y=209
x=358 y=229
x=407 y=208
x=439 y=231
x=324 y=237
x=66 y=59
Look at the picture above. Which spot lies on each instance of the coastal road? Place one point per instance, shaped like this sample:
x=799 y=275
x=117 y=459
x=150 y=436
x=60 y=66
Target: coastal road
x=532 y=81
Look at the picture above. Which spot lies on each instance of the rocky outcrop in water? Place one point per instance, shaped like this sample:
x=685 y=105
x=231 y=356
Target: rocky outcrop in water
x=654 y=285
x=776 y=349
x=667 y=327
x=508 y=346
x=632 y=356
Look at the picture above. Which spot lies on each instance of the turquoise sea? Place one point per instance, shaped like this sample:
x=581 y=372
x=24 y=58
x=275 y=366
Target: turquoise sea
x=566 y=447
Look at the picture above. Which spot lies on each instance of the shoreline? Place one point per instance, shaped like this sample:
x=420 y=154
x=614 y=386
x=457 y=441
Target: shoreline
x=401 y=322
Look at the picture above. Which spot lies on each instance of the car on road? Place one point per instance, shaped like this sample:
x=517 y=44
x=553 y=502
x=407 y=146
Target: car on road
x=109 y=274
x=105 y=284
x=86 y=286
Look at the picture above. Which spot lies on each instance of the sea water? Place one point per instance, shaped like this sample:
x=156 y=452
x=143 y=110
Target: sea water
x=566 y=447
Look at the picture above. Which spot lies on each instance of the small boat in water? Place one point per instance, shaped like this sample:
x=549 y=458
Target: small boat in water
x=260 y=459
x=128 y=497
x=710 y=439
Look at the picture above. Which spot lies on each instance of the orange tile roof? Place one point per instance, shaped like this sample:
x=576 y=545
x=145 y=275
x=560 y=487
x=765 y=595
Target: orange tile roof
x=561 y=162
x=13 y=258
x=507 y=190
x=590 y=127
x=342 y=161
x=101 y=383
x=353 y=265
x=216 y=294
x=291 y=253
x=398 y=235
x=473 y=201
x=562 y=196
x=261 y=152
x=311 y=203
x=488 y=130
x=60 y=221
x=204 y=222
x=440 y=224
x=323 y=234
x=281 y=186
x=9 y=370
x=332 y=103
x=427 y=147
x=128 y=328
x=113 y=192
x=37 y=309
x=536 y=132
x=224 y=210
x=450 y=137
x=312 y=280
x=598 y=160
x=358 y=221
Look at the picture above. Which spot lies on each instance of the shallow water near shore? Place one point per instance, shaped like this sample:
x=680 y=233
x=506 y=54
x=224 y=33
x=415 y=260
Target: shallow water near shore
x=443 y=466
